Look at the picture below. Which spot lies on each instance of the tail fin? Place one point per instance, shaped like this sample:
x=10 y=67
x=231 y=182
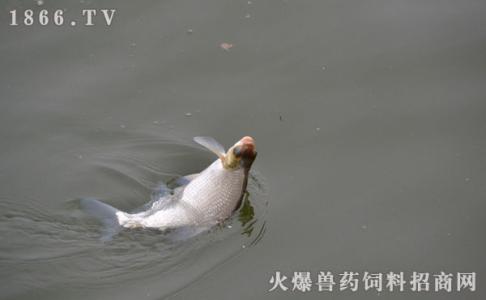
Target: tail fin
x=104 y=213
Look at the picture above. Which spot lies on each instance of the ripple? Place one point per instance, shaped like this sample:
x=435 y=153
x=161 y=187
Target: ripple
x=47 y=248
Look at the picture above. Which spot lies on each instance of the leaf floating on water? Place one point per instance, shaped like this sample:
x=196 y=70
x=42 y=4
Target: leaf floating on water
x=226 y=46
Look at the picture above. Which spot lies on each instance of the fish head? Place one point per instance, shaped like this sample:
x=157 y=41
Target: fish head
x=241 y=154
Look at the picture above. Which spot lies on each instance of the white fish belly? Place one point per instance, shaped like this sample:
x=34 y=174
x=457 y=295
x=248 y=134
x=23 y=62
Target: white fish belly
x=171 y=217
x=208 y=199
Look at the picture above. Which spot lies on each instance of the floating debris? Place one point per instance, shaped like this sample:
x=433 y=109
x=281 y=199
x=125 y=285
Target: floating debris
x=123 y=126
x=324 y=68
x=249 y=2
x=188 y=114
x=318 y=129
x=156 y=122
x=226 y=46
x=189 y=31
x=40 y=2
x=247 y=16
x=467 y=179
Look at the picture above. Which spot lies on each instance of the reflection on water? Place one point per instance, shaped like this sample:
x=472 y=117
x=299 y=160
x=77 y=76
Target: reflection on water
x=67 y=239
x=249 y=222
x=247 y=215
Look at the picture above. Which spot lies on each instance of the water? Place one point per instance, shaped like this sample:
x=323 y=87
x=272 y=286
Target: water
x=368 y=118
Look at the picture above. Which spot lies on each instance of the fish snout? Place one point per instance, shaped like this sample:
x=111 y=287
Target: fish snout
x=245 y=150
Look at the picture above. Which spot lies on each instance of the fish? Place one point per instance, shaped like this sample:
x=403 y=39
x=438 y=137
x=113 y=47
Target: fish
x=203 y=200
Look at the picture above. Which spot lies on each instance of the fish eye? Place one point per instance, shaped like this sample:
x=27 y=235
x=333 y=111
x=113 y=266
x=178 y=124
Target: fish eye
x=237 y=151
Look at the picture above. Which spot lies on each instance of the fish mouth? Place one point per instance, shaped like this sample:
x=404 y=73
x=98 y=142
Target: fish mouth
x=245 y=150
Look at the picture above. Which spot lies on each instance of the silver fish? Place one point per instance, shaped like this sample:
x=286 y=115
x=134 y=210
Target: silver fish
x=207 y=199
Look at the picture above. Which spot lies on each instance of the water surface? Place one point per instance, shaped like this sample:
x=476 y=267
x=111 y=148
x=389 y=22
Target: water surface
x=369 y=119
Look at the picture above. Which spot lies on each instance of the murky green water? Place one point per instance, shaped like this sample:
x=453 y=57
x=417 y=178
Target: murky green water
x=369 y=119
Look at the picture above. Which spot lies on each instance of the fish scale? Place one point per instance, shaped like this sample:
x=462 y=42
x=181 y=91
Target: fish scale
x=207 y=199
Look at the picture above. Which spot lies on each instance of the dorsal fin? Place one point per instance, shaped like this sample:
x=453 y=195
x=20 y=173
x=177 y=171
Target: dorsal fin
x=184 y=180
x=211 y=144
